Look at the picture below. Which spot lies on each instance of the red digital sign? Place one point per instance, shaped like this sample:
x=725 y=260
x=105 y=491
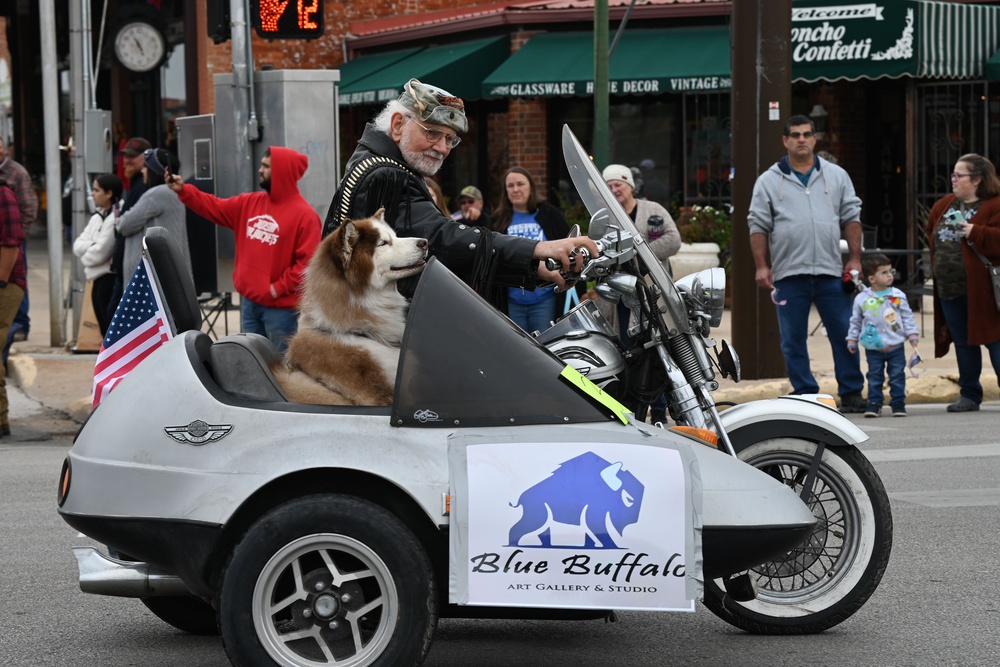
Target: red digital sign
x=287 y=19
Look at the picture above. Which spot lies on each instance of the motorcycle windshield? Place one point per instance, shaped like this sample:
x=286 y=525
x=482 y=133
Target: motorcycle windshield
x=464 y=364
x=596 y=195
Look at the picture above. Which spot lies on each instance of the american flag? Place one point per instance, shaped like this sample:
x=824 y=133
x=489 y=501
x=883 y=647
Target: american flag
x=138 y=327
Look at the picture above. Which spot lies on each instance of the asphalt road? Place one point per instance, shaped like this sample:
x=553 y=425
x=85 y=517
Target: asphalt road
x=939 y=603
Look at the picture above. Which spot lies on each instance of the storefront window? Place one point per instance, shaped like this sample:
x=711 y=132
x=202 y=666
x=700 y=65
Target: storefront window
x=708 y=151
x=643 y=132
x=951 y=122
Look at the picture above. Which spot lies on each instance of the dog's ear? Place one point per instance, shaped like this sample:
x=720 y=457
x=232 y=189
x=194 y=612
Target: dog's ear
x=349 y=236
x=380 y=214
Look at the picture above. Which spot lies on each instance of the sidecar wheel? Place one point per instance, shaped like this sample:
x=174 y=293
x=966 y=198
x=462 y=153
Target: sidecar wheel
x=328 y=579
x=188 y=614
x=828 y=578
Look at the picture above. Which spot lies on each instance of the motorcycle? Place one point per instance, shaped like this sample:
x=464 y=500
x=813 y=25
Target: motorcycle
x=803 y=441
x=500 y=483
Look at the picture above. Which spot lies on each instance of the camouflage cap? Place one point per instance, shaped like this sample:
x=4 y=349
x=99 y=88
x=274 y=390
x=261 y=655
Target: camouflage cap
x=433 y=105
x=471 y=191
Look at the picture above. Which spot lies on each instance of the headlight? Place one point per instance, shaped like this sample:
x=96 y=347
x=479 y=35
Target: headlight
x=707 y=289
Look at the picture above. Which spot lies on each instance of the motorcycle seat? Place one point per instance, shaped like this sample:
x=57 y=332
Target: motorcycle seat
x=241 y=366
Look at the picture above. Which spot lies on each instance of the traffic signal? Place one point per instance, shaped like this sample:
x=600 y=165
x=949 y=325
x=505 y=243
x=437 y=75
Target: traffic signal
x=217 y=14
x=287 y=19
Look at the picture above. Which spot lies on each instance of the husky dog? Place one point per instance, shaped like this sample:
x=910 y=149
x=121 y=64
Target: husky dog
x=352 y=318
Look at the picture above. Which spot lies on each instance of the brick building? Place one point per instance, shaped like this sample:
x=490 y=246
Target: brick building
x=897 y=99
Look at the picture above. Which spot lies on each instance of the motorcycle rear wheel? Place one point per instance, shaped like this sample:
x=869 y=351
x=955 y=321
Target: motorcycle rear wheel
x=835 y=571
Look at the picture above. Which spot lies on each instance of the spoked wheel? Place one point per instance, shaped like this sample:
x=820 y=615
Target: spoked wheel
x=328 y=580
x=832 y=574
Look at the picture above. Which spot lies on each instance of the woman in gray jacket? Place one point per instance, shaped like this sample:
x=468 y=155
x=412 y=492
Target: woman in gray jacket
x=158 y=207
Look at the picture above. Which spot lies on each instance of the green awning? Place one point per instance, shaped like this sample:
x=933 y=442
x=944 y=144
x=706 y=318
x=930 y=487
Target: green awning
x=993 y=67
x=842 y=39
x=644 y=62
x=458 y=68
x=353 y=71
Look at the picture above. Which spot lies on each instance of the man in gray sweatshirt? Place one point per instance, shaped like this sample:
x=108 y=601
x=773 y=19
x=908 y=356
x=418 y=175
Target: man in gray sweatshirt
x=801 y=207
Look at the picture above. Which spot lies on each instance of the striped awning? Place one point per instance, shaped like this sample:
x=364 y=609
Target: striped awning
x=845 y=39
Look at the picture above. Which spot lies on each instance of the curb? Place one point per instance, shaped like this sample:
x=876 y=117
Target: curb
x=45 y=379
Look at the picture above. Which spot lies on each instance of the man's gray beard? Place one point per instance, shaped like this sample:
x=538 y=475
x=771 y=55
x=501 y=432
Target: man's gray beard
x=421 y=164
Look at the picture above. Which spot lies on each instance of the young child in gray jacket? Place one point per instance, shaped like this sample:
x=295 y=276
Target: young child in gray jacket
x=881 y=322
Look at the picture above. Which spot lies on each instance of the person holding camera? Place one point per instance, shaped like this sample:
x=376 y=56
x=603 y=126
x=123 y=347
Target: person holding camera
x=962 y=229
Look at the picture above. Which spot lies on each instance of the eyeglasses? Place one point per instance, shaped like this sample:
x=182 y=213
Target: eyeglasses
x=956 y=176
x=797 y=135
x=463 y=202
x=434 y=136
x=774 y=298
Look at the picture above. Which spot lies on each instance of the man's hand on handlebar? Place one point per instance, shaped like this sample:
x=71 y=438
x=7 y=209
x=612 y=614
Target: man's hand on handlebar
x=560 y=250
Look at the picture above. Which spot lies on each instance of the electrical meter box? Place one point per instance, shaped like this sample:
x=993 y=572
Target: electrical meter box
x=213 y=248
x=98 y=142
x=297 y=109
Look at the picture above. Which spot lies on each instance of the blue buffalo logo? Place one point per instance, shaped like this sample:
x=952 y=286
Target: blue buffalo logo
x=587 y=502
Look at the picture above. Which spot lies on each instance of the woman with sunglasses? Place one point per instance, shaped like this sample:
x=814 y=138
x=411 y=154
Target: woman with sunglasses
x=963 y=228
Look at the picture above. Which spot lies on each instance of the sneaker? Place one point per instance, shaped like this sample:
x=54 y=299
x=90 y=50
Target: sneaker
x=899 y=412
x=873 y=411
x=852 y=403
x=963 y=404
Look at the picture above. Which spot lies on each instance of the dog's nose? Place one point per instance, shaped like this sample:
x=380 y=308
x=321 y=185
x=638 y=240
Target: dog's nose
x=421 y=243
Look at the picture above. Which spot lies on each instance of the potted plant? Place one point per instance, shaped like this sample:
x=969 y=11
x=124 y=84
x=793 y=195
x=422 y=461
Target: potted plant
x=706 y=234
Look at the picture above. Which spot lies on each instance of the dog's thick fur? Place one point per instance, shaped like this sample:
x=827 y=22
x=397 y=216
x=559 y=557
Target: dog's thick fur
x=352 y=318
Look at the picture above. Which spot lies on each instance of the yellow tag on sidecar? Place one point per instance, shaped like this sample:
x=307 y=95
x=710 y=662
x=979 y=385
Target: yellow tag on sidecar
x=579 y=380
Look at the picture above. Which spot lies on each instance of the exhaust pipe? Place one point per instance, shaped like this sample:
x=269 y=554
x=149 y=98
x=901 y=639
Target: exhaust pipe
x=103 y=575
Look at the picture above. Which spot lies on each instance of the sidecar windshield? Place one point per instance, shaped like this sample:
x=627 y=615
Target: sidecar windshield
x=462 y=363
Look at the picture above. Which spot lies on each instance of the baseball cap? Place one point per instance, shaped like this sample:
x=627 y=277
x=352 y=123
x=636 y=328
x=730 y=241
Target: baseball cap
x=618 y=172
x=471 y=191
x=135 y=146
x=434 y=105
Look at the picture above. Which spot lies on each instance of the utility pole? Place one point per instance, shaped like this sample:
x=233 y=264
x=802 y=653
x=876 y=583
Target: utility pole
x=761 y=98
x=601 y=66
x=244 y=110
x=53 y=180
x=79 y=84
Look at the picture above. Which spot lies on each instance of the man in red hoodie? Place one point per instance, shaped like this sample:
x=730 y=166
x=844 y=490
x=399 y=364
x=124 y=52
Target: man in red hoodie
x=277 y=232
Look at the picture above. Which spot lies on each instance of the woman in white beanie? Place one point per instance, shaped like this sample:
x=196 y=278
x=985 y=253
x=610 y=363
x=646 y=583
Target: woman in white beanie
x=663 y=243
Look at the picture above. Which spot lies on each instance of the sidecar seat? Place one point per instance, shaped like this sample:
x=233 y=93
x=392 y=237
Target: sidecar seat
x=241 y=366
x=176 y=285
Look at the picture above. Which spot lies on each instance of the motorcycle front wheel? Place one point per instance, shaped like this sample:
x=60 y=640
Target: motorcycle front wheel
x=831 y=575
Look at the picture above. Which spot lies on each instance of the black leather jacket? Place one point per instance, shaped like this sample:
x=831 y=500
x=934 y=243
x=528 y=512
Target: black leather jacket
x=476 y=255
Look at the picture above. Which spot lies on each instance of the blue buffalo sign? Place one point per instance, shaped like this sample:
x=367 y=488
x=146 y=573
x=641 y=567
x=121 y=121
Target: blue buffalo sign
x=572 y=526
x=582 y=502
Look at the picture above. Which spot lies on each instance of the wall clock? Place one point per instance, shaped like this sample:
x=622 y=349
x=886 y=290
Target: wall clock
x=140 y=46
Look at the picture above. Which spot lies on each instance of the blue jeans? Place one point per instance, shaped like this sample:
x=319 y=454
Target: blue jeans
x=277 y=324
x=969 y=357
x=22 y=319
x=834 y=307
x=535 y=316
x=893 y=361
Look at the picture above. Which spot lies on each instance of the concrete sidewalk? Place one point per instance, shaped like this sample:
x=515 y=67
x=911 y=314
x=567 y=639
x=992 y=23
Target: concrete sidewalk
x=61 y=379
